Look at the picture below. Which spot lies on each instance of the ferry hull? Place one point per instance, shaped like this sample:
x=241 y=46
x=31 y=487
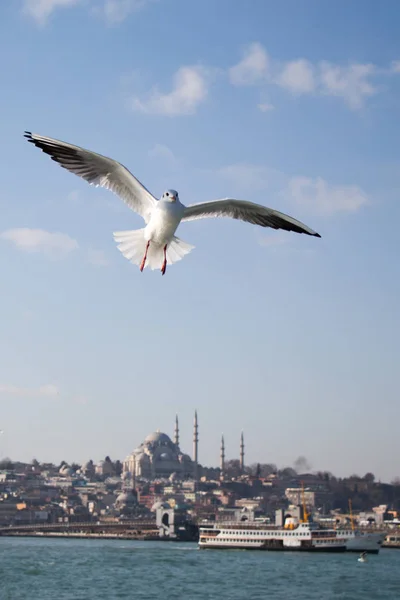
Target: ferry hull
x=333 y=549
x=366 y=542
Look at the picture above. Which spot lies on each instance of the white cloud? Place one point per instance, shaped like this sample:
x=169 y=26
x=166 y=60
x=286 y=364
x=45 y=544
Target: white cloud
x=253 y=67
x=298 y=77
x=274 y=239
x=97 y=258
x=113 y=11
x=80 y=399
x=41 y=10
x=395 y=66
x=352 y=83
x=45 y=391
x=314 y=194
x=249 y=178
x=323 y=198
x=265 y=106
x=189 y=91
x=74 y=196
x=116 y=11
x=164 y=153
x=56 y=245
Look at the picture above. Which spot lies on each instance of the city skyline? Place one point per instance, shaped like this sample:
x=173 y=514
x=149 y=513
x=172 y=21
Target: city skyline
x=301 y=464
x=291 y=339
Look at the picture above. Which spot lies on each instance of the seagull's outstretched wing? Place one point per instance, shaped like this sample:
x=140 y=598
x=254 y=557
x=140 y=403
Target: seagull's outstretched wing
x=98 y=170
x=246 y=211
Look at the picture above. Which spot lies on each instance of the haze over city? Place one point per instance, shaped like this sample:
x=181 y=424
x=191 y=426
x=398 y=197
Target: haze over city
x=293 y=340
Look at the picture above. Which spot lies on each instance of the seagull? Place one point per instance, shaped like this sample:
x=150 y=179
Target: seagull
x=155 y=245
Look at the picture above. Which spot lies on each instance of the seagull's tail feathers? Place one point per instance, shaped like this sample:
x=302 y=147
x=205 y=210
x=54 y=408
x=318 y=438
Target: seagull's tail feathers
x=177 y=249
x=132 y=244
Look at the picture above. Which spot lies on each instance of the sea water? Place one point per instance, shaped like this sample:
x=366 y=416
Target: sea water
x=72 y=569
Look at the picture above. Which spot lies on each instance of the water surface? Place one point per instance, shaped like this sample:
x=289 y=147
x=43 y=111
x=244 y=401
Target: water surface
x=69 y=569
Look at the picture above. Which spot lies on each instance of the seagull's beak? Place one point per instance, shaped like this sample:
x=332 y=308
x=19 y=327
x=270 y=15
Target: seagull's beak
x=173 y=198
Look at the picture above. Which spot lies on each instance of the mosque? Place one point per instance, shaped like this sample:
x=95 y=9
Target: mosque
x=160 y=457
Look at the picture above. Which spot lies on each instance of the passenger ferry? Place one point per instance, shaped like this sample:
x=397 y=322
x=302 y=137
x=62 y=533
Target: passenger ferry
x=306 y=536
x=253 y=536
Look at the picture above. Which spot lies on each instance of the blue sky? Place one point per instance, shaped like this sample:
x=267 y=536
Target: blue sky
x=293 y=339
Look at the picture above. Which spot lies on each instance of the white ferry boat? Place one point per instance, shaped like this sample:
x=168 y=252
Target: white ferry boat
x=306 y=536
x=253 y=536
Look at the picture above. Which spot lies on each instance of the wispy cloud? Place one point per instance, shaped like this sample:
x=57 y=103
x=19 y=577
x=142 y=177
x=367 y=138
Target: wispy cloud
x=112 y=11
x=41 y=10
x=164 y=153
x=248 y=178
x=273 y=239
x=323 y=198
x=265 y=106
x=80 y=399
x=97 y=258
x=74 y=196
x=190 y=89
x=56 y=245
x=395 y=66
x=351 y=83
x=253 y=67
x=116 y=11
x=354 y=82
x=45 y=391
x=316 y=195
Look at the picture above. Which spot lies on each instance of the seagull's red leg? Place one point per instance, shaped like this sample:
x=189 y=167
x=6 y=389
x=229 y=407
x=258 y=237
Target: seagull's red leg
x=142 y=264
x=164 y=265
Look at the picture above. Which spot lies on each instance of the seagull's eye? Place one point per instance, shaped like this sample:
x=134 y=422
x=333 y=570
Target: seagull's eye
x=167 y=194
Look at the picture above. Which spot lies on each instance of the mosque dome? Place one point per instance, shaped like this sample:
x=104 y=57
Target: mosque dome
x=157 y=457
x=158 y=437
x=125 y=498
x=67 y=471
x=158 y=505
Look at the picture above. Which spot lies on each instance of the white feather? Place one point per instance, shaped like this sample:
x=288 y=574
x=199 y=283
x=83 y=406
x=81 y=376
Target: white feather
x=132 y=245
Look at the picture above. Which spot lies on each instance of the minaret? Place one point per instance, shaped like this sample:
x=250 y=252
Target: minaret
x=195 y=445
x=241 y=453
x=222 y=457
x=134 y=473
x=176 y=438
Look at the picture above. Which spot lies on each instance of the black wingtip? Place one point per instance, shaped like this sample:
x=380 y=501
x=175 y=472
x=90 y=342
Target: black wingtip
x=28 y=136
x=317 y=235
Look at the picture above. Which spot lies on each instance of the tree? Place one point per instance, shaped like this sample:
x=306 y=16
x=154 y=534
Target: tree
x=6 y=464
x=232 y=468
x=118 y=467
x=263 y=469
x=288 y=472
x=301 y=465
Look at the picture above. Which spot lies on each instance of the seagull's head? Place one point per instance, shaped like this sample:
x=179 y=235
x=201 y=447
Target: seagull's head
x=170 y=196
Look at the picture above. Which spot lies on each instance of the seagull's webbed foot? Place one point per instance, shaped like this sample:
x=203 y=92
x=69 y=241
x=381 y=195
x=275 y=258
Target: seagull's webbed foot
x=164 y=265
x=142 y=264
